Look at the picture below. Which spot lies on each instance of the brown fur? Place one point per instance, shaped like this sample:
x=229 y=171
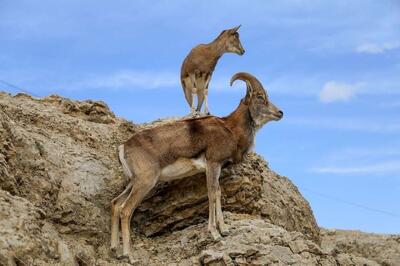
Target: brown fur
x=218 y=140
x=199 y=64
x=191 y=137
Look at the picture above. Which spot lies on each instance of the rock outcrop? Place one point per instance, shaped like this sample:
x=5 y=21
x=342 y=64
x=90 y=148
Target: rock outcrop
x=59 y=171
x=384 y=249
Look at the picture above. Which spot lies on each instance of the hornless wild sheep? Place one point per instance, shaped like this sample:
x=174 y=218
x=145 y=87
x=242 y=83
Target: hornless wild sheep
x=199 y=65
x=186 y=147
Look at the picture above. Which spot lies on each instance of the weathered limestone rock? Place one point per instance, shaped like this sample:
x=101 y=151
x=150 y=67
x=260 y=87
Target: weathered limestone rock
x=66 y=152
x=384 y=249
x=59 y=171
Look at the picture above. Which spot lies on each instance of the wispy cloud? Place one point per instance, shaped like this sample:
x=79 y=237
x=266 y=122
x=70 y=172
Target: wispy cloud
x=349 y=124
x=377 y=168
x=333 y=91
x=296 y=85
x=130 y=79
x=375 y=48
x=374 y=153
x=142 y=80
x=361 y=160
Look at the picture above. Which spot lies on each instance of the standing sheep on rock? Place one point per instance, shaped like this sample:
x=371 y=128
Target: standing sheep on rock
x=187 y=147
x=199 y=65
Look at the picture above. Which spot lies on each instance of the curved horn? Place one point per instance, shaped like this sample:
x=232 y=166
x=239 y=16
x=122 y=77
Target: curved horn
x=252 y=83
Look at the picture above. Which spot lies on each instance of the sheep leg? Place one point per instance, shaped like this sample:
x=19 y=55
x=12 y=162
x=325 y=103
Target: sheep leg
x=115 y=219
x=206 y=102
x=223 y=229
x=194 y=91
x=200 y=92
x=213 y=171
x=190 y=92
x=142 y=186
x=206 y=111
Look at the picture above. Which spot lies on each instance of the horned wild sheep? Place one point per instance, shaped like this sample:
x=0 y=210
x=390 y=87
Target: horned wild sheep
x=186 y=147
x=199 y=65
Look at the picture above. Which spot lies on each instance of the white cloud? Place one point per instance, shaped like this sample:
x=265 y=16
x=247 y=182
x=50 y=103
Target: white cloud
x=132 y=79
x=136 y=79
x=374 y=48
x=350 y=123
x=374 y=153
x=333 y=91
x=377 y=168
x=370 y=160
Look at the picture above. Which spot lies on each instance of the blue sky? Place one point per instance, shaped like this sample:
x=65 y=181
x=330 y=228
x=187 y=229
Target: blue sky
x=332 y=67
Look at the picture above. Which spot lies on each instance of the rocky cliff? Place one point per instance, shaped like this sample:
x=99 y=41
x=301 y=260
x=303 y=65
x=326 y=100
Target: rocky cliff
x=59 y=172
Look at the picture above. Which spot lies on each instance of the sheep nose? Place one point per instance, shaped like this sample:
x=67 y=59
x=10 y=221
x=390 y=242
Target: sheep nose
x=280 y=113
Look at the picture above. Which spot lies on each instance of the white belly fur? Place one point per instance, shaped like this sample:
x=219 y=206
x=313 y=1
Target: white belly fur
x=183 y=167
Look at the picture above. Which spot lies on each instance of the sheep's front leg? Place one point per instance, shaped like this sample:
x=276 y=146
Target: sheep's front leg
x=223 y=228
x=206 y=111
x=194 y=94
x=213 y=171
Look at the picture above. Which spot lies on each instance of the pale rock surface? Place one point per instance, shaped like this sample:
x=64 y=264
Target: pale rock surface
x=384 y=249
x=59 y=171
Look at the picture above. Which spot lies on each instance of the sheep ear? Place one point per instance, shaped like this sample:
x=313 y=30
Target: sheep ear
x=235 y=29
x=222 y=32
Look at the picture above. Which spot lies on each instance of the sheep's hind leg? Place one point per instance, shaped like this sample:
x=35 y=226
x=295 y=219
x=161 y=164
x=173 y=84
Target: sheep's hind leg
x=115 y=218
x=141 y=187
x=189 y=98
x=190 y=92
